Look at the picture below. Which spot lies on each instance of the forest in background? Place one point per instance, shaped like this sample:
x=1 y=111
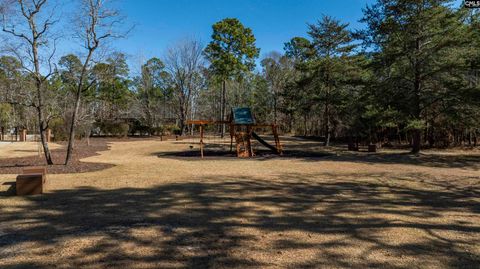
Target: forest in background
x=410 y=77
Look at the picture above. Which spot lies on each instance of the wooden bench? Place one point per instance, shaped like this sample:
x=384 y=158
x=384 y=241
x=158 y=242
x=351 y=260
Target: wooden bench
x=32 y=181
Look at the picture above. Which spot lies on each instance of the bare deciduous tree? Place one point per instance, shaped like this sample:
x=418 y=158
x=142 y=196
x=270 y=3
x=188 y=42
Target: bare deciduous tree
x=30 y=22
x=276 y=69
x=184 y=62
x=96 y=22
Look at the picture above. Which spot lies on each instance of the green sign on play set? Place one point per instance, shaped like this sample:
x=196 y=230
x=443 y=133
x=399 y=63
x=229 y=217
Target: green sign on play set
x=242 y=115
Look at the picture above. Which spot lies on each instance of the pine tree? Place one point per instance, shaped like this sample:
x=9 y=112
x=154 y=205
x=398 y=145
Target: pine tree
x=332 y=44
x=231 y=52
x=415 y=43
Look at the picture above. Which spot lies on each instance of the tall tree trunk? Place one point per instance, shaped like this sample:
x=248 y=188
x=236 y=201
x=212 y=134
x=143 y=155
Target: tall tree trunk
x=416 y=140
x=223 y=107
x=417 y=136
x=42 y=128
x=327 y=104
x=305 y=127
x=327 y=120
x=431 y=135
x=39 y=83
x=78 y=96
x=290 y=123
x=42 y=125
x=275 y=109
x=182 y=118
x=399 y=134
x=475 y=138
x=469 y=138
x=73 y=124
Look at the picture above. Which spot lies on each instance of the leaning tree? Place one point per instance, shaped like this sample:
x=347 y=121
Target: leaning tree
x=96 y=22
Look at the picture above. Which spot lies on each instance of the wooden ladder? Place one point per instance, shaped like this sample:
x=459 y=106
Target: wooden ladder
x=243 y=144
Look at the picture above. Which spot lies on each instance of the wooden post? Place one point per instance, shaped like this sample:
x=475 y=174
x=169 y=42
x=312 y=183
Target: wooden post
x=277 y=139
x=242 y=146
x=237 y=144
x=23 y=135
x=2 y=136
x=49 y=135
x=232 y=133
x=249 y=142
x=201 y=140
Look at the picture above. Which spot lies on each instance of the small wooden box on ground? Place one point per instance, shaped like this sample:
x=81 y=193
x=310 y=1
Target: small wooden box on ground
x=30 y=184
x=32 y=181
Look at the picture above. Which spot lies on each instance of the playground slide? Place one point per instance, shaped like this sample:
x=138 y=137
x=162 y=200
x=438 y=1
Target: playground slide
x=263 y=142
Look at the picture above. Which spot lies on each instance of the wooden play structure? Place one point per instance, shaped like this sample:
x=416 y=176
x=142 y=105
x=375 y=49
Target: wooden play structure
x=242 y=127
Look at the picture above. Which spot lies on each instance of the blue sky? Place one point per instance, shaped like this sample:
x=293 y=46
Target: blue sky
x=161 y=23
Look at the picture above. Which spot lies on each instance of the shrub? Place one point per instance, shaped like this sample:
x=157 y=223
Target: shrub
x=177 y=131
x=59 y=129
x=171 y=129
x=138 y=127
x=119 y=129
x=160 y=130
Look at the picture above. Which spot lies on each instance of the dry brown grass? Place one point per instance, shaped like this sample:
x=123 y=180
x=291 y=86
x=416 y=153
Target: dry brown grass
x=22 y=149
x=344 y=210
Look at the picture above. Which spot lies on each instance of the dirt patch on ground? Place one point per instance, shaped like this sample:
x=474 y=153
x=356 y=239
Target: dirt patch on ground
x=220 y=149
x=33 y=158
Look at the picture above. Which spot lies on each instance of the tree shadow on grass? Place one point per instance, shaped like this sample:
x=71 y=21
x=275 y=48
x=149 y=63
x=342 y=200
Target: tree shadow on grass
x=470 y=162
x=209 y=225
x=312 y=152
x=11 y=190
x=214 y=150
x=214 y=154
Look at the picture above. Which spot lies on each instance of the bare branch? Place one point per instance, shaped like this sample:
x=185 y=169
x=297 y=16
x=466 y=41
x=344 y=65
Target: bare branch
x=50 y=72
x=93 y=82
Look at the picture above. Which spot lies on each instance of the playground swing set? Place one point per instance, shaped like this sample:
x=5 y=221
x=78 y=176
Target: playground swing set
x=242 y=128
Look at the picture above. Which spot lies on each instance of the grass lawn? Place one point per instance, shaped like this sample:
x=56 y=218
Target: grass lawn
x=154 y=207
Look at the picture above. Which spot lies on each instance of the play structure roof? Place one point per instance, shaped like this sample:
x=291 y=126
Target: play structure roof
x=242 y=115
